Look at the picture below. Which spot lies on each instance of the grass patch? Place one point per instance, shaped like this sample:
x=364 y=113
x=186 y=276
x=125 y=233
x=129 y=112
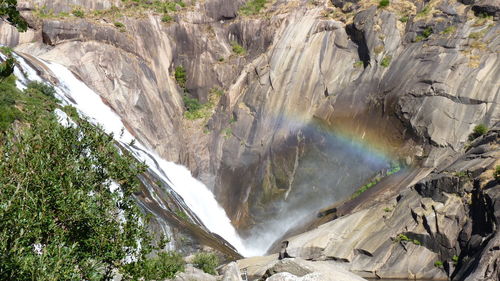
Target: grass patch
x=79 y=13
x=238 y=49
x=358 y=64
x=404 y=19
x=496 y=174
x=449 y=30
x=252 y=7
x=386 y=61
x=477 y=35
x=206 y=262
x=383 y=3
x=166 y=18
x=424 y=12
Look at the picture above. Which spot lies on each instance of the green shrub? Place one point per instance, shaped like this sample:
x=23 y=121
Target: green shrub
x=383 y=3
x=478 y=131
x=42 y=88
x=163 y=266
x=438 y=264
x=206 y=262
x=386 y=61
x=237 y=48
x=455 y=259
x=8 y=96
x=166 y=18
x=404 y=19
x=6 y=50
x=78 y=13
x=180 y=76
x=427 y=32
x=47 y=173
x=252 y=7
x=119 y=24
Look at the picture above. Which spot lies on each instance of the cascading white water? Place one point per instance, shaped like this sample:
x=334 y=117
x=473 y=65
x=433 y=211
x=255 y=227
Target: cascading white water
x=195 y=194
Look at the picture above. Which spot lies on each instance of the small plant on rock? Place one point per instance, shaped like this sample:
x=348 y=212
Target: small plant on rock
x=438 y=264
x=206 y=262
x=237 y=48
x=496 y=174
x=386 y=61
x=478 y=131
x=78 y=13
x=383 y=3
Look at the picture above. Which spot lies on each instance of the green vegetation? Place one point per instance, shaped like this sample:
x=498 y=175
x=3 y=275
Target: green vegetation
x=165 y=265
x=79 y=13
x=438 y=264
x=387 y=209
x=195 y=110
x=404 y=19
x=478 y=131
x=496 y=174
x=181 y=214
x=425 y=34
x=120 y=26
x=8 y=96
x=358 y=64
x=206 y=262
x=383 y=3
x=237 y=48
x=7 y=67
x=425 y=11
x=403 y=238
x=386 y=61
x=180 y=76
x=59 y=220
x=228 y=132
x=166 y=18
x=6 y=50
x=477 y=35
x=394 y=169
x=8 y=10
x=449 y=30
x=41 y=88
x=461 y=174
x=252 y=7
x=455 y=259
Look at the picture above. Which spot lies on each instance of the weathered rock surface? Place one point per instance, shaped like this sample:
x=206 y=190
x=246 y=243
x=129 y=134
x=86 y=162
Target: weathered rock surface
x=448 y=222
x=232 y=272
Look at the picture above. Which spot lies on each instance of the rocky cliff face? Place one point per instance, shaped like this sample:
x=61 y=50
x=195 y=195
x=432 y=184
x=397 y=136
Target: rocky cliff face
x=412 y=79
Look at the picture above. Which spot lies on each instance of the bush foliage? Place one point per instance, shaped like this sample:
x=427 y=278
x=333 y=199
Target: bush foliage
x=206 y=262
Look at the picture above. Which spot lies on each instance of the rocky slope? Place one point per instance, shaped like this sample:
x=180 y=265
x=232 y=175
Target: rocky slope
x=411 y=79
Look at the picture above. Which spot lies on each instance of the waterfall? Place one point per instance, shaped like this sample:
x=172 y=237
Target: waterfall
x=198 y=198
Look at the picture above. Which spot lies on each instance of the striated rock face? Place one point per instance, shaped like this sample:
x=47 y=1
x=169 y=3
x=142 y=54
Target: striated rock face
x=446 y=225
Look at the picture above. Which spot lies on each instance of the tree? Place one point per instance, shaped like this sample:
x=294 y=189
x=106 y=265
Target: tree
x=9 y=11
x=59 y=217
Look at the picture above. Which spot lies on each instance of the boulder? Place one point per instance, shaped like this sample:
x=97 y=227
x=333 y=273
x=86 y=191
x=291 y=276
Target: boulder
x=232 y=272
x=193 y=273
x=489 y=7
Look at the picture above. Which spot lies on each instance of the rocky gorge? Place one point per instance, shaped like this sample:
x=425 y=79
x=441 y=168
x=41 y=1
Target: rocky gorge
x=304 y=102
